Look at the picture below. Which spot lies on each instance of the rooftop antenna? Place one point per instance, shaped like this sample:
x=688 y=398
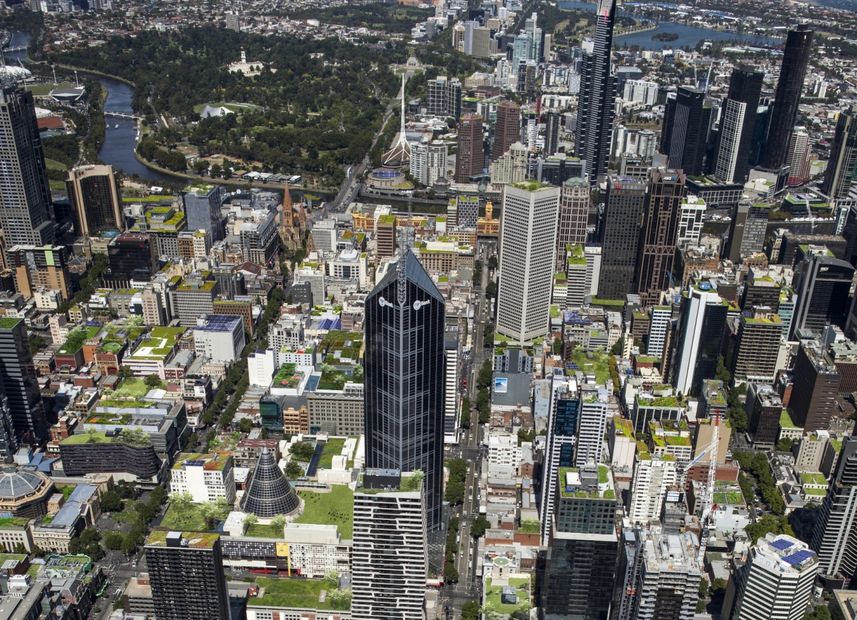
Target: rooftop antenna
x=54 y=69
x=76 y=83
x=708 y=77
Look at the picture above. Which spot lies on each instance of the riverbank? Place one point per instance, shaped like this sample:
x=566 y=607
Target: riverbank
x=239 y=183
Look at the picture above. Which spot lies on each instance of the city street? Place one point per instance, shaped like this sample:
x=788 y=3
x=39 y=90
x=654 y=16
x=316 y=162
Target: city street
x=470 y=449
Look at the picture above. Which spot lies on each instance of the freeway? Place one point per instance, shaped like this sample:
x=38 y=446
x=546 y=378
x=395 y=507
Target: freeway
x=471 y=450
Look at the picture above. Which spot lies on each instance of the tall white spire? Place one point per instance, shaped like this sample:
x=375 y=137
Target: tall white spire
x=400 y=153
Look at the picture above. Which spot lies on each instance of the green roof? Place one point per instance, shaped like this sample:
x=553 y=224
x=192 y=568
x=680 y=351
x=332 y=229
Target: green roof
x=496 y=608
x=786 y=420
x=76 y=339
x=530 y=186
x=214 y=461
x=771 y=319
x=7 y=322
x=132 y=438
x=297 y=593
x=813 y=478
x=13 y=523
x=196 y=540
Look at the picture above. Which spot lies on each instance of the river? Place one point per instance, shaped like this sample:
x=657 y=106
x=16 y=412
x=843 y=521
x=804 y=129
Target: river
x=120 y=138
x=688 y=36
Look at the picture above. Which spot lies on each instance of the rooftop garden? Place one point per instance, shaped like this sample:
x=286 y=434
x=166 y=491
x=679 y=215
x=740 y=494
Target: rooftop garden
x=263 y=530
x=75 y=340
x=7 y=322
x=575 y=254
x=333 y=508
x=813 y=478
x=135 y=438
x=342 y=345
x=729 y=496
x=494 y=598
x=196 y=540
x=215 y=461
x=287 y=376
x=530 y=186
x=334 y=378
x=529 y=526
x=322 y=594
x=786 y=420
x=591 y=363
x=131 y=387
x=332 y=447
x=660 y=401
x=184 y=515
x=13 y=522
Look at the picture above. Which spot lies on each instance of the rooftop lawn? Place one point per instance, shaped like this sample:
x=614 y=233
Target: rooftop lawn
x=786 y=420
x=13 y=522
x=493 y=600
x=76 y=338
x=729 y=498
x=333 y=508
x=301 y=593
x=132 y=438
x=287 y=376
x=132 y=387
x=333 y=447
x=181 y=517
x=592 y=362
x=259 y=530
x=814 y=478
x=529 y=526
x=7 y=322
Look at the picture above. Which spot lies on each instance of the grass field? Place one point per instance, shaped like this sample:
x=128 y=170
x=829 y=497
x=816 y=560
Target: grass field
x=45 y=88
x=258 y=530
x=334 y=508
x=53 y=164
x=332 y=448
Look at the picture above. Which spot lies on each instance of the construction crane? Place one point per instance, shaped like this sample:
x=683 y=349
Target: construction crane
x=708 y=492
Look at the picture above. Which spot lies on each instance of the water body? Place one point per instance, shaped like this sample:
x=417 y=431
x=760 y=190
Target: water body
x=688 y=36
x=120 y=138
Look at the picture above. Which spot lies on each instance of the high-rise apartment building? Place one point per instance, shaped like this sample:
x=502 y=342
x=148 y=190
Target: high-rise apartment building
x=623 y=213
x=40 y=268
x=404 y=378
x=775 y=582
x=701 y=325
x=690 y=221
x=428 y=162
x=787 y=96
x=659 y=233
x=130 y=256
x=747 y=230
x=527 y=250
x=816 y=386
x=842 y=167
x=591 y=426
x=95 y=197
x=835 y=535
x=758 y=348
x=26 y=212
x=666 y=575
x=389 y=550
x=684 y=139
x=822 y=285
x=186 y=575
x=574 y=200
x=597 y=94
x=653 y=477
x=444 y=97
x=737 y=125
x=764 y=409
x=553 y=121
x=507 y=129
x=798 y=158
x=581 y=558
x=470 y=157
x=18 y=378
x=563 y=412
x=659 y=327
x=202 y=205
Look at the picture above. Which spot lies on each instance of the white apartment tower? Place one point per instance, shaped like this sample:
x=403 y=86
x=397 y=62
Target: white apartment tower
x=389 y=559
x=691 y=212
x=653 y=477
x=775 y=582
x=527 y=254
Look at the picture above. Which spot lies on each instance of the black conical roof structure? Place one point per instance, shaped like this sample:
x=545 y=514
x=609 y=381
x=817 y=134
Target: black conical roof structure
x=269 y=493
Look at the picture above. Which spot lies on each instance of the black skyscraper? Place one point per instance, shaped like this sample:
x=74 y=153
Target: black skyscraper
x=404 y=378
x=552 y=123
x=623 y=213
x=597 y=91
x=685 y=133
x=186 y=574
x=745 y=86
x=18 y=377
x=789 y=86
